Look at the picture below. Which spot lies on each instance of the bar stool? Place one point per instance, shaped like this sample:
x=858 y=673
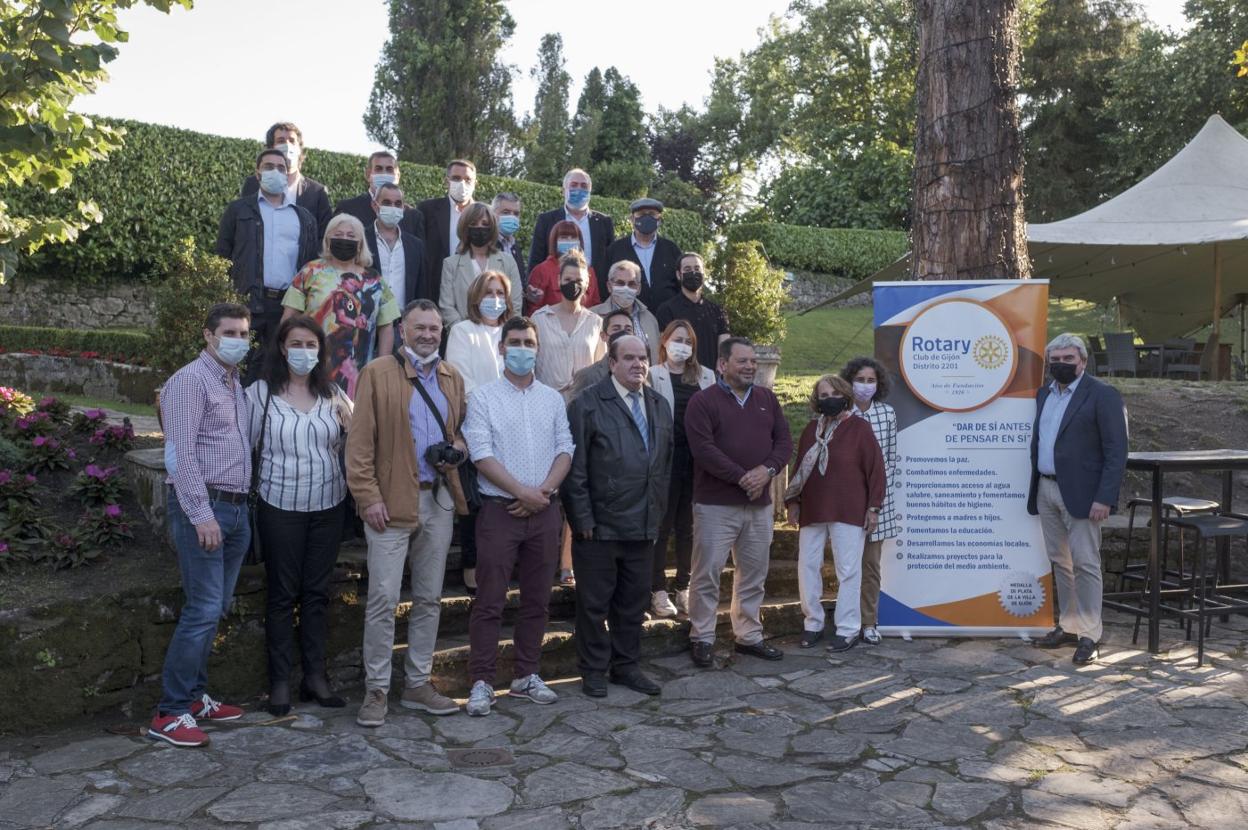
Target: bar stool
x=1171 y=506
x=1210 y=600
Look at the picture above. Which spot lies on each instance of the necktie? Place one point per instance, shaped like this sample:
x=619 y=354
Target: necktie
x=639 y=418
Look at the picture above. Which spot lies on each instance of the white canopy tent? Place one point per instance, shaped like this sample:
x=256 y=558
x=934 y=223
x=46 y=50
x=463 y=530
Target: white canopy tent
x=1172 y=251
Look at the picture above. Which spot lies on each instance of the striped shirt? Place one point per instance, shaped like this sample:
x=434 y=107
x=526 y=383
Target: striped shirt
x=300 y=469
x=883 y=421
x=205 y=417
x=561 y=355
x=525 y=430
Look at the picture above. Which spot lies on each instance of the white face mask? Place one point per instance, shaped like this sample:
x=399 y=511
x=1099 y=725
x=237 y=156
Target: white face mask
x=390 y=215
x=460 y=192
x=679 y=351
x=623 y=295
x=302 y=361
x=864 y=392
x=417 y=359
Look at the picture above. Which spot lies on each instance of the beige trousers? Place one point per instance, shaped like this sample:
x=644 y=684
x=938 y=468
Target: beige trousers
x=719 y=530
x=871 y=583
x=1074 y=548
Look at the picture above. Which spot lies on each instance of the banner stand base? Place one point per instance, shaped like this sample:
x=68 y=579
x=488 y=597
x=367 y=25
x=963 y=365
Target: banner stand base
x=908 y=633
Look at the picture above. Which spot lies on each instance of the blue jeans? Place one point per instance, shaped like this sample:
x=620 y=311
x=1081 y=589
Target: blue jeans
x=208 y=579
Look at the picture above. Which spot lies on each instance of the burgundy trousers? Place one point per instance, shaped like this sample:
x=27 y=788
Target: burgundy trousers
x=502 y=542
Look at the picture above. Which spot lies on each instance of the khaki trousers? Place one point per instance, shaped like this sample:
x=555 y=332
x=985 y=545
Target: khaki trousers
x=746 y=533
x=424 y=549
x=871 y=583
x=1074 y=548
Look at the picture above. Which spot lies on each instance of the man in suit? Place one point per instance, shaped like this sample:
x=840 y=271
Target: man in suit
x=397 y=255
x=597 y=229
x=614 y=502
x=267 y=237
x=441 y=215
x=383 y=168
x=658 y=258
x=615 y=324
x=1078 y=457
x=308 y=194
x=507 y=209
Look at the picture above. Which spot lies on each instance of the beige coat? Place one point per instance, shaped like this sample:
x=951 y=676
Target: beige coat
x=458 y=275
x=381 y=456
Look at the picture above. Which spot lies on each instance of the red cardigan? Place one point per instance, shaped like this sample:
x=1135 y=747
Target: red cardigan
x=546 y=277
x=854 y=480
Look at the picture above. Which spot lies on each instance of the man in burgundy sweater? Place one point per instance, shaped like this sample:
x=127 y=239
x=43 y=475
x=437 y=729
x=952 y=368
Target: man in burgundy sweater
x=739 y=440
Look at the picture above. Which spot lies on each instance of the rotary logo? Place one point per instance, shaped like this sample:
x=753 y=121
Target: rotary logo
x=990 y=351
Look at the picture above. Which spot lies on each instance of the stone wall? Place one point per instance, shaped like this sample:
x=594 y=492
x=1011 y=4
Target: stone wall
x=43 y=373
x=807 y=289
x=56 y=303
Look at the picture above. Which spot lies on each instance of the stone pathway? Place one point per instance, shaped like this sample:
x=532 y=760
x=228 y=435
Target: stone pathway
x=990 y=734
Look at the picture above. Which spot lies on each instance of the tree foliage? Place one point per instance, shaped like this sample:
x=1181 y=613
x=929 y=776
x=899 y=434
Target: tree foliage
x=51 y=51
x=440 y=90
x=546 y=156
x=609 y=134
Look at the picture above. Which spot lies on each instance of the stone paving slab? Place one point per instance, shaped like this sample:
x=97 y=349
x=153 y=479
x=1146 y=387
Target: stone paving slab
x=983 y=734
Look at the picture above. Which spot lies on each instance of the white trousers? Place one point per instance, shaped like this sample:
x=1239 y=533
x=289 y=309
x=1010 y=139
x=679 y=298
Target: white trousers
x=847 y=543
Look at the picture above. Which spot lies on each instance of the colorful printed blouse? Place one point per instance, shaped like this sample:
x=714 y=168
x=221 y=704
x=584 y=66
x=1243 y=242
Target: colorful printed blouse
x=351 y=307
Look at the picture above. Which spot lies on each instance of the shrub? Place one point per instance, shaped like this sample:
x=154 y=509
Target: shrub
x=57 y=409
x=98 y=485
x=71 y=550
x=13 y=402
x=114 y=438
x=753 y=294
x=842 y=252
x=104 y=527
x=12 y=456
x=151 y=198
x=47 y=453
x=198 y=281
x=87 y=422
x=118 y=346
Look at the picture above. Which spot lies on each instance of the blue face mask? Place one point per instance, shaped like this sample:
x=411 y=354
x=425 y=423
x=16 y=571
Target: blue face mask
x=492 y=307
x=381 y=179
x=509 y=224
x=232 y=350
x=565 y=245
x=578 y=198
x=520 y=360
x=302 y=361
x=273 y=182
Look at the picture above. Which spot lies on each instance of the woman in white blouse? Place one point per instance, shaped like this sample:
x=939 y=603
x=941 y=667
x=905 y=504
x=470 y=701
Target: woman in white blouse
x=472 y=345
x=298 y=422
x=567 y=331
x=676 y=377
x=479 y=251
x=472 y=348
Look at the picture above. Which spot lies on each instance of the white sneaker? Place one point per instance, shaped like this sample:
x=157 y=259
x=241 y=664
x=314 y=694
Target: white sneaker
x=661 y=606
x=480 y=699
x=871 y=636
x=682 y=601
x=532 y=688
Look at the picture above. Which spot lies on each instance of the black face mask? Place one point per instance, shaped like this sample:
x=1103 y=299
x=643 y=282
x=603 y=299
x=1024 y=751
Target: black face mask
x=832 y=406
x=1063 y=373
x=691 y=280
x=572 y=290
x=646 y=224
x=480 y=237
x=344 y=249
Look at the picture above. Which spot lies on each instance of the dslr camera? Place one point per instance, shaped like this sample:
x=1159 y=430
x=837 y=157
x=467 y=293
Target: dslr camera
x=444 y=452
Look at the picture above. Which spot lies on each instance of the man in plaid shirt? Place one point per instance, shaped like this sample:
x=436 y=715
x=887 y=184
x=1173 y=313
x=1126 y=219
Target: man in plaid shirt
x=205 y=419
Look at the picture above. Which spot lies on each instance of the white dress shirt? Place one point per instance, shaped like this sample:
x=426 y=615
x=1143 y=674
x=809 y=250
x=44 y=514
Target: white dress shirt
x=582 y=222
x=472 y=348
x=561 y=355
x=525 y=430
x=392 y=265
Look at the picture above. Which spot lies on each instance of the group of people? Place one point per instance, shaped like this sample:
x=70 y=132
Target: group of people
x=571 y=442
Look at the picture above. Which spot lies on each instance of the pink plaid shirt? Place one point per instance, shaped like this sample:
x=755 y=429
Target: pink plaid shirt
x=205 y=417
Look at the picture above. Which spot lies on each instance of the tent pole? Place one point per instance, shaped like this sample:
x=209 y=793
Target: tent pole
x=1216 y=336
x=1243 y=335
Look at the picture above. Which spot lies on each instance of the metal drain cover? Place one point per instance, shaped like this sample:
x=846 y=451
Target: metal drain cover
x=476 y=758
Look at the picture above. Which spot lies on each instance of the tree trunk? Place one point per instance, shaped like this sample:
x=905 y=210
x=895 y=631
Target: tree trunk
x=968 y=158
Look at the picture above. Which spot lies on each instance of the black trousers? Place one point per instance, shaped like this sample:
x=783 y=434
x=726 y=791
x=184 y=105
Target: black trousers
x=300 y=550
x=612 y=589
x=264 y=325
x=467 y=539
x=679 y=518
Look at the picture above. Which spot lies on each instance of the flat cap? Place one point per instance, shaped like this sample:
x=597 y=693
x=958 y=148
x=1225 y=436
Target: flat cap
x=643 y=204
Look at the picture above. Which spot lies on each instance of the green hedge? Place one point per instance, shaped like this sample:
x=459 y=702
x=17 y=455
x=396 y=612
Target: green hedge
x=846 y=252
x=118 y=344
x=166 y=184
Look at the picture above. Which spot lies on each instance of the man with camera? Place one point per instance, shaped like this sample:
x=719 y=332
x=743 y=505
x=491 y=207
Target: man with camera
x=402 y=453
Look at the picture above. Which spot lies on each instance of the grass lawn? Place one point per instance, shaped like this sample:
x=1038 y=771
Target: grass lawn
x=100 y=403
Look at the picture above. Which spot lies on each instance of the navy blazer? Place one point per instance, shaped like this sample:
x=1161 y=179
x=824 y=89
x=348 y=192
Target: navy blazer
x=415 y=277
x=361 y=207
x=601 y=232
x=1090 y=454
x=662 y=283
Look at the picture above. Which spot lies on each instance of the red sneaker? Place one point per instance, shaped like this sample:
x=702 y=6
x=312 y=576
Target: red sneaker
x=179 y=730
x=208 y=709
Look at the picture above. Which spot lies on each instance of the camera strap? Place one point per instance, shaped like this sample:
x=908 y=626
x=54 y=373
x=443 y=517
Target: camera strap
x=437 y=416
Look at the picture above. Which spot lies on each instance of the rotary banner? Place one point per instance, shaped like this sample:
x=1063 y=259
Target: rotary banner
x=966 y=359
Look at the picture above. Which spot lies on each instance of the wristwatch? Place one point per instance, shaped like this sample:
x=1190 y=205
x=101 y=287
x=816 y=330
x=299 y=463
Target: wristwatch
x=873 y=510
x=771 y=471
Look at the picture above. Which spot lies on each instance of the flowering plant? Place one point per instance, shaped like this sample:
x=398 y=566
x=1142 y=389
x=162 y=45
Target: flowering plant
x=17 y=488
x=32 y=423
x=88 y=421
x=72 y=550
x=14 y=401
x=55 y=408
x=98 y=485
x=104 y=528
x=119 y=438
x=47 y=453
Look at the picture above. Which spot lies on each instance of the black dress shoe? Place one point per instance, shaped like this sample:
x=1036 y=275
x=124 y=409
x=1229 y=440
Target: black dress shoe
x=279 y=700
x=328 y=701
x=636 y=681
x=809 y=638
x=1086 y=652
x=759 y=649
x=594 y=685
x=703 y=654
x=1056 y=639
